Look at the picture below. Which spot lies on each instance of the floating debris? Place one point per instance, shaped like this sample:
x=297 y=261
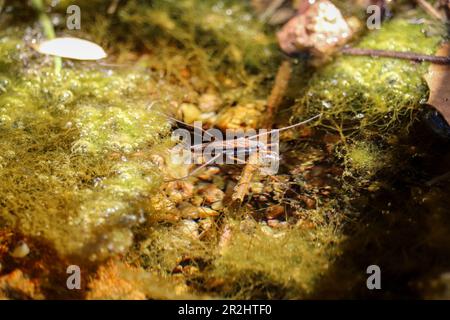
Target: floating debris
x=71 y=48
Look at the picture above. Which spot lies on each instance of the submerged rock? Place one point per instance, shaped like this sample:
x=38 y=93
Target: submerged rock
x=319 y=28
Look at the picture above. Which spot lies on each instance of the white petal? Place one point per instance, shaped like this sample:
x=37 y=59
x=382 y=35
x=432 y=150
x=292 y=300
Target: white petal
x=72 y=48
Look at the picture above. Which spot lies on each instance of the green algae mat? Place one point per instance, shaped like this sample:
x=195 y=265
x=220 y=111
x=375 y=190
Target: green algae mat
x=88 y=183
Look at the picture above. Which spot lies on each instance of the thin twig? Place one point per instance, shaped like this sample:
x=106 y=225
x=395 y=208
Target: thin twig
x=413 y=56
x=241 y=189
x=431 y=10
x=444 y=177
x=274 y=5
x=273 y=102
x=113 y=7
x=278 y=90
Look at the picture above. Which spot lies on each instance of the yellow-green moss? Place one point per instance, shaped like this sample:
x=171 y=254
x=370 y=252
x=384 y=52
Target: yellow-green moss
x=8 y=53
x=268 y=263
x=166 y=246
x=67 y=170
x=364 y=157
x=220 y=44
x=225 y=29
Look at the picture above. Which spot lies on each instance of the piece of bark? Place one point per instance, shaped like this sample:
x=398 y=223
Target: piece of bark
x=438 y=79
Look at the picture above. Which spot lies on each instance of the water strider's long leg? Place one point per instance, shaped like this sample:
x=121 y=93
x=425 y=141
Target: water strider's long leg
x=286 y=128
x=198 y=168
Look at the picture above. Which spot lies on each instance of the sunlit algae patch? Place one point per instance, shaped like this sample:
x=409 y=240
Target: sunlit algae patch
x=68 y=146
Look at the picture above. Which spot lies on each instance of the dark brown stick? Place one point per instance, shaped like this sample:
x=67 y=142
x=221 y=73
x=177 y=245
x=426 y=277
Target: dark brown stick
x=278 y=91
x=396 y=54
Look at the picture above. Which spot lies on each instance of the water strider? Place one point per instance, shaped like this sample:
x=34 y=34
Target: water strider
x=238 y=148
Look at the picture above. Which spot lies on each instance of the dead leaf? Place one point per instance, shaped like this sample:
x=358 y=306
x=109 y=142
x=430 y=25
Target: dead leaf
x=438 y=80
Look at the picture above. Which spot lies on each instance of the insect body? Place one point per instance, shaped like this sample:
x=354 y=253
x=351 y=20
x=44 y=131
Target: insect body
x=236 y=150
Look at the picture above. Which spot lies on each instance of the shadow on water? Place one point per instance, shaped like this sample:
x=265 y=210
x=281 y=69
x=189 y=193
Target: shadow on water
x=404 y=228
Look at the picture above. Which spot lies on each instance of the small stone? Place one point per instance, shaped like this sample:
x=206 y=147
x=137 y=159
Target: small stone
x=179 y=190
x=197 y=201
x=189 y=211
x=268 y=231
x=309 y=202
x=217 y=205
x=242 y=117
x=274 y=223
x=205 y=212
x=189 y=228
x=212 y=194
x=192 y=212
x=190 y=112
x=209 y=102
x=206 y=226
x=319 y=28
x=21 y=250
x=209 y=173
x=256 y=187
x=274 y=212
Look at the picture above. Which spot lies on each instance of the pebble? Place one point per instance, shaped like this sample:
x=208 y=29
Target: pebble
x=206 y=225
x=189 y=211
x=217 y=205
x=206 y=212
x=21 y=250
x=256 y=187
x=274 y=212
x=179 y=190
x=189 y=228
x=209 y=102
x=309 y=202
x=193 y=212
x=274 y=223
x=197 y=201
x=209 y=173
x=190 y=112
x=212 y=194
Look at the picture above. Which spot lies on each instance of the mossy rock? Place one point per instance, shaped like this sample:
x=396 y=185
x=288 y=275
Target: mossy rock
x=359 y=93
